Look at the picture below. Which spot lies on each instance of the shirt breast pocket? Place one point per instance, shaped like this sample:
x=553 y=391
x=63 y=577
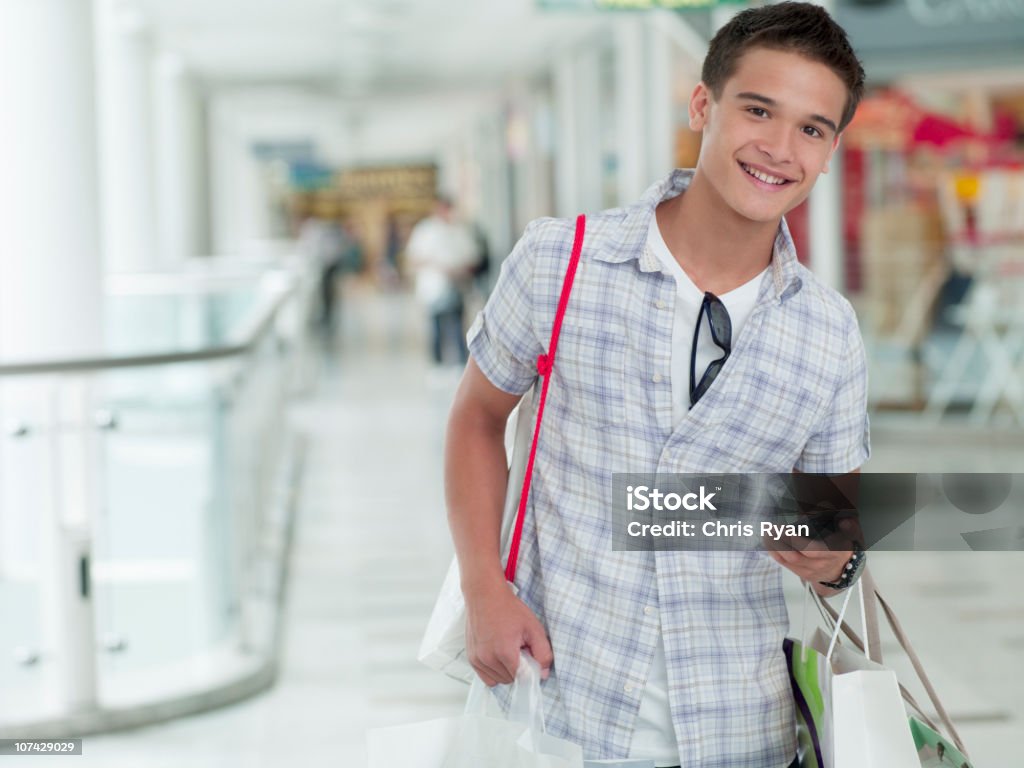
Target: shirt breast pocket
x=772 y=418
x=590 y=376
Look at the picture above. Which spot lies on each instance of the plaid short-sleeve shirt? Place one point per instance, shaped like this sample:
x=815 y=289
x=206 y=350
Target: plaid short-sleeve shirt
x=791 y=395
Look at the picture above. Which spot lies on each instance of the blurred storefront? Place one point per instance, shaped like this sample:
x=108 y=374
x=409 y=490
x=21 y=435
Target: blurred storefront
x=933 y=223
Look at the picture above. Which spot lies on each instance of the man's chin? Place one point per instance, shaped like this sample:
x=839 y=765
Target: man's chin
x=766 y=214
x=761 y=216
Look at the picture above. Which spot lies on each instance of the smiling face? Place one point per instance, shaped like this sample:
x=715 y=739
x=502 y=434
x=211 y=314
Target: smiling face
x=771 y=132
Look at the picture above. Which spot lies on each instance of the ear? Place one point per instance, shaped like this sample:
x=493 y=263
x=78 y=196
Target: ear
x=832 y=151
x=700 y=105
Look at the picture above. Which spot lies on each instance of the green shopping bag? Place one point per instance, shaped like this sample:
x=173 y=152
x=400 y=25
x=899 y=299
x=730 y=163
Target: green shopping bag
x=934 y=749
x=810 y=680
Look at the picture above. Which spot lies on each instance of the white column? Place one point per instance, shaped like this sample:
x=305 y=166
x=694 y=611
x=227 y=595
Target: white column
x=496 y=178
x=124 y=69
x=567 y=200
x=240 y=204
x=661 y=103
x=50 y=291
x=541 y=191
x=825 y=214
x=222 y=149
x=204 y=178
x=674 y=50
x=50 y=299
x=590 y=157
x=631 y=109
x=825 y=223
x=177 y=137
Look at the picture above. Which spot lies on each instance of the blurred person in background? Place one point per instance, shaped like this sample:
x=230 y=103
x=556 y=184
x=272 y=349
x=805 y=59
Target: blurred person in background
x=387 y=268
x=677 y=658
x=443 y=254
x=331 y=250
x=482 y=269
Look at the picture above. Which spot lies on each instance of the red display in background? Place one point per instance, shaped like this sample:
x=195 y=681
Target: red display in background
x=853 y=210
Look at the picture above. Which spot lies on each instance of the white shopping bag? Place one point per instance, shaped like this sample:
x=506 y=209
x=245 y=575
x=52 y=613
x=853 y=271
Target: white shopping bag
x=444 y=641
x=858 y=711
x=869 y=725
x=478 y=738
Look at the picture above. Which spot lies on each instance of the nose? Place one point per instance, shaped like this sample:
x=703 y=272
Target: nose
x=776 y=143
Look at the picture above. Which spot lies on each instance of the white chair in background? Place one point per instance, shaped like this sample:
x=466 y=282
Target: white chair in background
x=992 y=311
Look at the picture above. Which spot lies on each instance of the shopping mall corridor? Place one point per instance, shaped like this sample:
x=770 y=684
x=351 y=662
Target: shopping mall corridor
x=371 y=548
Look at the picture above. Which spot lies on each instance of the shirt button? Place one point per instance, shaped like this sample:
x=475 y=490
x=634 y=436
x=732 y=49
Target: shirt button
x=648 y=610
x=627 y=688
x=656 y=378
x=660 y=304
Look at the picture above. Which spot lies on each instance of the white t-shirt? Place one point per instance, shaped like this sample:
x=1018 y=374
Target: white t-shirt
x=739 y=302
x=654 y=736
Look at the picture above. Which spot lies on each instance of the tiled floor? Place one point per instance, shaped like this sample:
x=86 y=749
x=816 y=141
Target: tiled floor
x=371 y=549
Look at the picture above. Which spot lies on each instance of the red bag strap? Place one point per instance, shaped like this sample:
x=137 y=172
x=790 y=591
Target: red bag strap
x=544 y=365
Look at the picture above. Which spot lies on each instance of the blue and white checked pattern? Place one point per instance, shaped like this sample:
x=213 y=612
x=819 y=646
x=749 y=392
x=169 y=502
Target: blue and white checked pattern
x=792 y=395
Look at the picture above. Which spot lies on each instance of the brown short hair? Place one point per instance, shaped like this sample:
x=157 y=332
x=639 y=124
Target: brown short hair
x=801 y=28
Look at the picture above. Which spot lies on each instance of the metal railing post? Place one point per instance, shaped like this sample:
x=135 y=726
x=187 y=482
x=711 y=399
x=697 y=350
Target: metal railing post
x=65 y=578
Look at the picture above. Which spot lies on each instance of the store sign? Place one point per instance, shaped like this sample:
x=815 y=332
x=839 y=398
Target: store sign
x=632 y=5
x=405 y=181
x=947 y=12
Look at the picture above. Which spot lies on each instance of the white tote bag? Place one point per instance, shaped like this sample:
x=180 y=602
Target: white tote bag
x=479 y=738
x=444 y=642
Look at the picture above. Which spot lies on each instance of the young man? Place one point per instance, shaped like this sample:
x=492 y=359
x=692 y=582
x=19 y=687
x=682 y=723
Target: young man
x=674 y=656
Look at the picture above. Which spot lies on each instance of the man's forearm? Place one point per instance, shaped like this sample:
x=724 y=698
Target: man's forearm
x=476 y=475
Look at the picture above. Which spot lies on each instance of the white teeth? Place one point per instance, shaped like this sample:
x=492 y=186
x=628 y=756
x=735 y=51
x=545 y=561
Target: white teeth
x=762 y=176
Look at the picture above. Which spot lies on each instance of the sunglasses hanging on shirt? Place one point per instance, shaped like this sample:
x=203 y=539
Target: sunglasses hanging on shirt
x=721 y=334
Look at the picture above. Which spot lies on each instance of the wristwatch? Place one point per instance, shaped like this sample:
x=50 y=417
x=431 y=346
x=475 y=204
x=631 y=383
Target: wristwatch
x=851 y=570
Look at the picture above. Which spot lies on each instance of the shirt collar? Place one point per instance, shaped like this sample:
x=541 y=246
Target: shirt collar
x=629 y=239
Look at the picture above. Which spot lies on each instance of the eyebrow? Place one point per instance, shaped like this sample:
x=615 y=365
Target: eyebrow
x=751 y=96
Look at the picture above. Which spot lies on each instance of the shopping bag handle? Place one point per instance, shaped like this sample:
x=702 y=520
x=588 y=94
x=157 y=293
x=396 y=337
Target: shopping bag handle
x=904 y=641
x=839 y=624
x=545 y=364
x=873 y=598
x=526 y=702
x=829 y=615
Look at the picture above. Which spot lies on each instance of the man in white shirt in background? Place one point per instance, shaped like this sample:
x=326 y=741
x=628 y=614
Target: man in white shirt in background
x=442 y=252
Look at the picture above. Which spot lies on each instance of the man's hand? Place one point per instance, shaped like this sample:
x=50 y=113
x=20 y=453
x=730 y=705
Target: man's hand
x=498 y=625
x=831 y=511
x=812 y=561
x=815 y=560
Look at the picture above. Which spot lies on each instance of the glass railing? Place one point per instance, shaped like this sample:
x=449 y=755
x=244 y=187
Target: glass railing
x=144 y=503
